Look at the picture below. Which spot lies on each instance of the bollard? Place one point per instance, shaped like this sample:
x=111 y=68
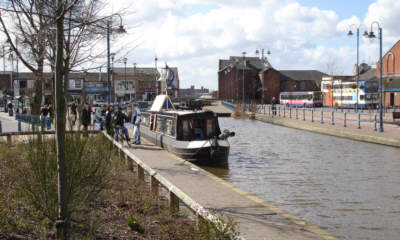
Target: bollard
x=9 y=140
x=154 y=185
x=312 y=115
x=304 y=114
x=359 y=121
x=140 y=172
x=284 y=111
x=269 y=110
x=344 y=121
x=297 y=113
x=19 y=125
x=333 y=118
x=290 y=112
x=375 y=129
x=322 y=116
x=173 y=203
x=279 y=111
x=1 y=127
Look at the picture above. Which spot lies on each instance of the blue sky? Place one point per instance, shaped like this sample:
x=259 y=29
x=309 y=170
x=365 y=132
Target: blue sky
x=193 y=35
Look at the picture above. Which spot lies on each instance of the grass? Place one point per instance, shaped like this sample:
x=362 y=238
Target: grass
x=124 y=207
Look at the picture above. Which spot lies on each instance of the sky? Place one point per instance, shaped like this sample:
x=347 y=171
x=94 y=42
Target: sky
x=193 y=35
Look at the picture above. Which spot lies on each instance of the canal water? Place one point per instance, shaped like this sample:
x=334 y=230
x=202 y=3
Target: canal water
x=349 y=188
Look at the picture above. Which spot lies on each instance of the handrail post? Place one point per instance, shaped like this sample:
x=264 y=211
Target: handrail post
x=333 y=118
x=173 y=203
x=304 y=114
x=359 y=121
x=19 y=125
x=375 y=116
x=279 y=111
x=312 y=115
x=284 y=111
x=154 y=185
x=322 y=116
x=297 y=113
x=344 y=121
x=290 y=112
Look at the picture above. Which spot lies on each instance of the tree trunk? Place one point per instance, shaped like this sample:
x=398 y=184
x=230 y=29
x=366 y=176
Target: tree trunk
x=62 y=221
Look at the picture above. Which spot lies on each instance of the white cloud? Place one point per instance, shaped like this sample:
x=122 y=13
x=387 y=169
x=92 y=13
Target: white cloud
x=194 y=34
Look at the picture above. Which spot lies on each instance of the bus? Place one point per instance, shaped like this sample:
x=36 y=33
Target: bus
x=304 y=99
x=344 y=94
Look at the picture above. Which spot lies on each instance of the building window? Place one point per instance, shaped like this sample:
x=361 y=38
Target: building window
x=78 y=84
x=302 y=85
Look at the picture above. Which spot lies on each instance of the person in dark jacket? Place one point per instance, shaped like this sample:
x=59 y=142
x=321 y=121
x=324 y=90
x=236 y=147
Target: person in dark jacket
x=273 y=102
x=119 y=120
x=74 y=107
x=108 y=123
x=86 y=116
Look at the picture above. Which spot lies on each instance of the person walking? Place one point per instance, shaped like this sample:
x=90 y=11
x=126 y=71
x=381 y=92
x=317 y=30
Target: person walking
x=86 y=116
x=136 y=120
x=273 y=102
x=108 y=120
x=74 y=107
x=10 y=108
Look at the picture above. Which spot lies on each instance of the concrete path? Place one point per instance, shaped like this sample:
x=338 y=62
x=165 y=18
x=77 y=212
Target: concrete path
x=390 y=136
x=258 y=219
x=220 y=109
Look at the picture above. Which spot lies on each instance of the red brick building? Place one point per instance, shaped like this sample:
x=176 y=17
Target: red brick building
x=391 y=76
x=231 y=86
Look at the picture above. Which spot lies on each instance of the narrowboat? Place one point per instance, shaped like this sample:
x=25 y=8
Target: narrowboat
x=193 y=136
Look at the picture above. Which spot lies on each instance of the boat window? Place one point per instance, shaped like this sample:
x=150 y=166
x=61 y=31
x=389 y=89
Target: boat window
x=210 y=128
x=186 y=127
x=170 y=127
x=198 y=131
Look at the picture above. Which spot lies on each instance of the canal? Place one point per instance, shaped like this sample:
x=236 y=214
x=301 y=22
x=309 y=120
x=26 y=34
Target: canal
x=349 y=188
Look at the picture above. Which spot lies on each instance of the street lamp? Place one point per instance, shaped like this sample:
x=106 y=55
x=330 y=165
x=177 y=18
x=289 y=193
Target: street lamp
x=120 y=29
x=134 y=80
x=350 y=33
x=371 y=36
x=237 y=81
x=125 y=60
x=244 y=66
x=263 y=60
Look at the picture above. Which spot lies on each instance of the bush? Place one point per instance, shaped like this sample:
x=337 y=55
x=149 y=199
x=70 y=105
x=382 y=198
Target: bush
x=87 y=161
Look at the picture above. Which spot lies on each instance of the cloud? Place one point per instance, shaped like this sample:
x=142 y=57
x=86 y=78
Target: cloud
x=194 y=34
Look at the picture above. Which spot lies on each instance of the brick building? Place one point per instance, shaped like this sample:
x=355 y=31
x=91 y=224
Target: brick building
x=231 y=86
x=193 y=92
x=391 y=76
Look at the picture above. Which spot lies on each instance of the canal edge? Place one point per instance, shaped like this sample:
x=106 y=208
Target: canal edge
x=291 y=217
x=336 y=133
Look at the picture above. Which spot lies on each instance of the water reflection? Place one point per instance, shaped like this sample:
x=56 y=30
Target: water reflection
x=350 y=188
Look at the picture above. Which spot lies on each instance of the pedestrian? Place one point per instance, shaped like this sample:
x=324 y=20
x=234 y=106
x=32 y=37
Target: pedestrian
x=136 y=120
x=273 y=102
x=10 y=108
x=119 y=120
x=100 y=116
x=74 y=107
x=86 y=116
x=108 y=120
x=44 y=111
x=51 y=113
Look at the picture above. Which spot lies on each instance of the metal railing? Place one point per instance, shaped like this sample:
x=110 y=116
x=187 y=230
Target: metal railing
x=33 y=120
x=336 y=116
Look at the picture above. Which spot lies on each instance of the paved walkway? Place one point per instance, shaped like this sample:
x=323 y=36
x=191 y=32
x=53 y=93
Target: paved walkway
x=220 y=109
x=258 y=219
x=390 y=136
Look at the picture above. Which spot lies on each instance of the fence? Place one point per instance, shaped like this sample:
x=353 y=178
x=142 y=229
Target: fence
x=33 y=120
x=333 y=116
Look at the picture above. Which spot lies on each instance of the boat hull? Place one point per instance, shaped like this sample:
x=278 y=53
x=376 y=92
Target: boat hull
x=198 y=152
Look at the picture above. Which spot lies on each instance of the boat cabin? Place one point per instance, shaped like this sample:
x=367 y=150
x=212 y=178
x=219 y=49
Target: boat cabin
x=181 y=125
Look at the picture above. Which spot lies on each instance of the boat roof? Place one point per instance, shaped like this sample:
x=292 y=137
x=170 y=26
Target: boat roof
x=162 y=102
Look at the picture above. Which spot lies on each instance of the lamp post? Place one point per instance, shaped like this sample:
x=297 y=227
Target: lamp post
x=350 y=33
x=111 y=69
x=263 y=59
x=120 y=29
x=158 y=84
x=237 y=81
x=371 y=36
x=134 y=80
x=244 y=66
x=125 y=60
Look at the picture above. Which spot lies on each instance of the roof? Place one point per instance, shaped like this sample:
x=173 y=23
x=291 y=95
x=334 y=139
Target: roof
x=162 y=102
x=253 y=62
x=302 y=75
x=370 y=74
x=390 y=51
